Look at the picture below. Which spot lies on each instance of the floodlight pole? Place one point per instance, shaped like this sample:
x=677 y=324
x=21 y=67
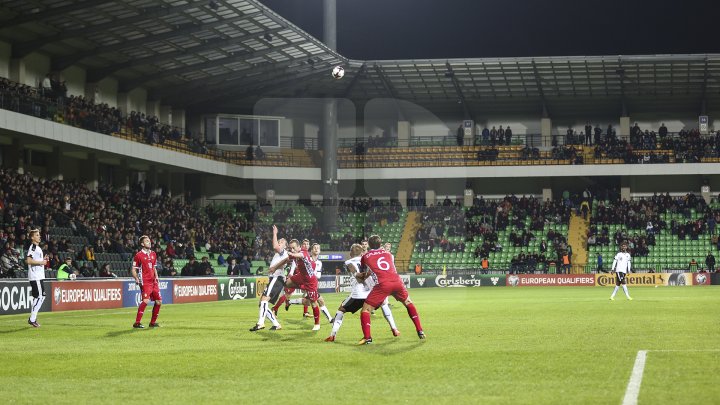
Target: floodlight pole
x=330 y=128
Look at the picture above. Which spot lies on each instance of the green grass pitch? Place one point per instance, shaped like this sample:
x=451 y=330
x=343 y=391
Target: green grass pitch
x=484 y=345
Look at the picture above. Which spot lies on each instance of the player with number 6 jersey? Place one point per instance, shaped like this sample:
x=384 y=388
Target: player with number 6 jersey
x=380 y=265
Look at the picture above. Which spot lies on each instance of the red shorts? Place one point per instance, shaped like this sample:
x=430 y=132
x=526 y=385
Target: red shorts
x=382 y=291
x=309 y=286
x=151 y=290
x=312 y=295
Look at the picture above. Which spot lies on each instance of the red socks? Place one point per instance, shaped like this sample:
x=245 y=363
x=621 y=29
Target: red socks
x=280 y=302
x=305 y=309
x=141 y=311
x=365 y=323
x=156 y=311
x=414 y=316
x=316 y=314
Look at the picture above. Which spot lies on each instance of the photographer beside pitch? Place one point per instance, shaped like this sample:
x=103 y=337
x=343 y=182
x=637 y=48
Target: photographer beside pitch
x=621 y=267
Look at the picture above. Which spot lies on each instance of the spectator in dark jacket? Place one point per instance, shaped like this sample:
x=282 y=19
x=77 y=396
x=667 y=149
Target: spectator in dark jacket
x=245 y=266
x=233 y=268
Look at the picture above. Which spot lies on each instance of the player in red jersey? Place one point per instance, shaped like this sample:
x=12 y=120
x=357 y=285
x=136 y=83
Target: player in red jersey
x=304 y=278
x=144 y=264
x=380 y=265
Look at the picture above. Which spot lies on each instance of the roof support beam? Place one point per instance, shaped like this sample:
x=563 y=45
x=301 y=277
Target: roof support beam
x=538 y=83
x=391 y=92
x=458 y=90
x=150 y=13
x=179 y=31
x=51 y=12
x=703 y=99
x=354 y=80
x=96 y=75
x=232 y=90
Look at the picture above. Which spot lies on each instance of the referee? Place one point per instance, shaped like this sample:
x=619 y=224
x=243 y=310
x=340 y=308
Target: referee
x=36 y=274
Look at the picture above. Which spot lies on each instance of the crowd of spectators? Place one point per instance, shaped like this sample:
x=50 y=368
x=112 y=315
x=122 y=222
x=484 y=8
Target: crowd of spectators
x=112 y=220
x=53 y=102
x=642 y=219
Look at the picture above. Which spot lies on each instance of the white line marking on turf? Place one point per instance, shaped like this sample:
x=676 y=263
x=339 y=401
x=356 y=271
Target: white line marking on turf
x=633 y=387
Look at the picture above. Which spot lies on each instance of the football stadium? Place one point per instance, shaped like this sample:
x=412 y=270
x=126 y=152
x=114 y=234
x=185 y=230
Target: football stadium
x=340 y=202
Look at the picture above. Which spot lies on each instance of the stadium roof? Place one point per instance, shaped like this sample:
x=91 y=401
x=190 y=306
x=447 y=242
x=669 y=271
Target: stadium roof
x=224 y=55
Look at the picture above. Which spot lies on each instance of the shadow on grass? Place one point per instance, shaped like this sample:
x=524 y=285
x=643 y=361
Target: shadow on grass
x=384 y=347
x=14 y=330
x=123 y=332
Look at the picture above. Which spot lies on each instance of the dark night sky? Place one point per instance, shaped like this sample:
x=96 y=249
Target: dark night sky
x=419 y=29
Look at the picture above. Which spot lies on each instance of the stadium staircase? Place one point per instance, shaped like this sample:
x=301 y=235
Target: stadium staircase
x=588 y=154
x=407 y=241
x=577 y=238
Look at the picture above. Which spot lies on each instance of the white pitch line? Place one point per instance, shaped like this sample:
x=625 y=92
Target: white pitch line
x=633 y=387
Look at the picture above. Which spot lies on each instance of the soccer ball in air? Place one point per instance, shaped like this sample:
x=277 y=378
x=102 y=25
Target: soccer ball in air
x=338 y=72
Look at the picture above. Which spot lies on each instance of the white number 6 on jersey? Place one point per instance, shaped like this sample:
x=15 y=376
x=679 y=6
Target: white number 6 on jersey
x=382 y=264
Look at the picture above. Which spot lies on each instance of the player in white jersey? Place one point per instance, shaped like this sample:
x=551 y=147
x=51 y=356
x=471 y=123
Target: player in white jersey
x=622 y=265
x=276 y=272
x=360 y=291
x=36 y=274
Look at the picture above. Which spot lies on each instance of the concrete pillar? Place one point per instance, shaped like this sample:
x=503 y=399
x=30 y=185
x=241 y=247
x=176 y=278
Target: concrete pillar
x=153 y=186
x=152 y=107
x=402 y=197
x=705 y=192
x=90 y=174
x=167 y=182
x=121 y=177
x=165 y=114
x=468 y=197
x=53 y=165
x=177 y=186
x=546 y=131
x=624 y=189
x=17 y=70
x=92 y=92
x=270 y=195
x=123 y=103
x=329 y=164
x=624 y=130
x=13 y=156
x=5 y=56
x=430 y=197
x=403 y=133
x=547 y=194
x=178 y=118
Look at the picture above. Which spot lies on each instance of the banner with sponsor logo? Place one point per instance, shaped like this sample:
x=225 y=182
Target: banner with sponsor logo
x=261 y=283
x=700 y=278
x=553 y=280
x=198 y=290
x=132 y=295
x=236 y=288
x=16 y=297
x=655 y=279
x=327 y=284
x=474 y=280
x=73 y=295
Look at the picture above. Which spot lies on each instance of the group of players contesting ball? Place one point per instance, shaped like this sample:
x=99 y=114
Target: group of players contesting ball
x=373 y=278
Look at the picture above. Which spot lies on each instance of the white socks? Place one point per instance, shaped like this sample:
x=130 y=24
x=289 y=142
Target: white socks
x=338 y=322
